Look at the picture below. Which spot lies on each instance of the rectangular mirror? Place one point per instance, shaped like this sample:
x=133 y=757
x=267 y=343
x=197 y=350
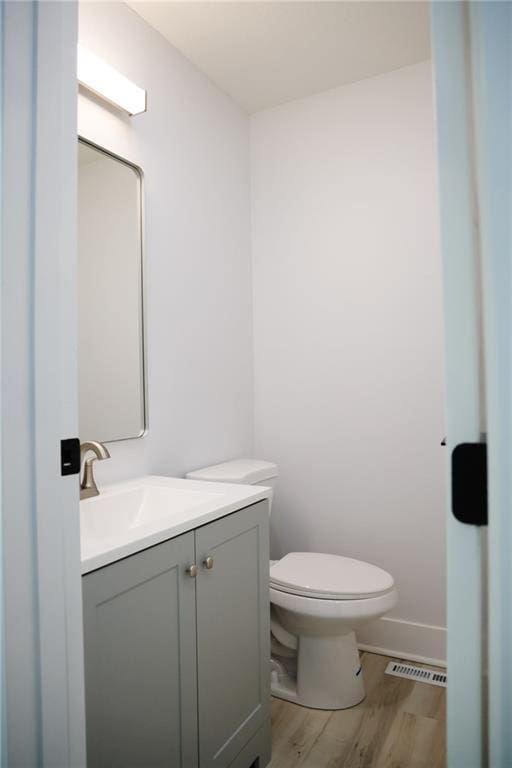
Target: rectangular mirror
x=112 y=403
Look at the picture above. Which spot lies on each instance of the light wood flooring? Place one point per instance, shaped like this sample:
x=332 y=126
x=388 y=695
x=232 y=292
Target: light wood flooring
x=400 y=724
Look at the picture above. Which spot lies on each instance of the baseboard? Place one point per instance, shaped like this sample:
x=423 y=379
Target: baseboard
x=404 y=640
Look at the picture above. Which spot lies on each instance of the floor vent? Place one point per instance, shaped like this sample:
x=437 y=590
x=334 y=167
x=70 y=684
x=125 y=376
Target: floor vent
x=418 y=674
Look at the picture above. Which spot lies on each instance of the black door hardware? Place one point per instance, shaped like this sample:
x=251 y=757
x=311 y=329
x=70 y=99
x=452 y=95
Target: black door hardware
x=70 y=456
x=469 y=483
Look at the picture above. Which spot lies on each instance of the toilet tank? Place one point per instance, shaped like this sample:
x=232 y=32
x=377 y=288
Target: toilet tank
x=243 y=471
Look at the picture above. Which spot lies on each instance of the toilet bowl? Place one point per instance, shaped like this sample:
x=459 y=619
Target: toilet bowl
x=317 y=603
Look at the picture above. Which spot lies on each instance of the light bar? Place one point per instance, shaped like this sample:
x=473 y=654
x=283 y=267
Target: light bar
x=103 y=80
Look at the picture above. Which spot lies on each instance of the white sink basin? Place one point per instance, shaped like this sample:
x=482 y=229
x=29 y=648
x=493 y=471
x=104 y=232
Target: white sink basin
x=110 y=515
x=131 y=516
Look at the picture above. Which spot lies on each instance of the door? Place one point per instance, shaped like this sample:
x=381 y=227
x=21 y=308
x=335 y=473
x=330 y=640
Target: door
x=233 y=633
x=42 y=673
x=140 y=660
x=491 y=37
x=472 y=51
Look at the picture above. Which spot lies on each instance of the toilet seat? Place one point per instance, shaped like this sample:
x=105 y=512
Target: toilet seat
x=328 y=577
x=355 y=611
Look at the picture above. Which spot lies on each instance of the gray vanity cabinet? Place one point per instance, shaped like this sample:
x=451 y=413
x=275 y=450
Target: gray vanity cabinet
x=177 y=666
x=233 y=647
x=140 y=660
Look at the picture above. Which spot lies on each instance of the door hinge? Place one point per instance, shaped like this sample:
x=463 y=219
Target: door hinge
x=469 y=483
x=70 y=456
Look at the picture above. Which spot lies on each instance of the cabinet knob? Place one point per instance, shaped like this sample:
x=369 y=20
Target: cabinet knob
x=192 y=570
x=208 y=563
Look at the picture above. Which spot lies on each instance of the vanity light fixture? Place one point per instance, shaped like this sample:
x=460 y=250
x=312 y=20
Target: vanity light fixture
x=99 y=77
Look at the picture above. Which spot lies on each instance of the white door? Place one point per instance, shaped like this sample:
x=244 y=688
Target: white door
x=491 y=35
x=472 y=50
x=42 y=720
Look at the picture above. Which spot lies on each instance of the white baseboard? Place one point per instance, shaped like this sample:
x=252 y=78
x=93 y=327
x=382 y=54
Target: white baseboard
x=404 y=640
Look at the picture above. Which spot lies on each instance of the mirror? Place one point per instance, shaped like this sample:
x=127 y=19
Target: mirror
x=110 y=297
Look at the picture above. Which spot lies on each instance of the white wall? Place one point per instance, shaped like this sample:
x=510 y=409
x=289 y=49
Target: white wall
x=193 y=146
x=348 y=336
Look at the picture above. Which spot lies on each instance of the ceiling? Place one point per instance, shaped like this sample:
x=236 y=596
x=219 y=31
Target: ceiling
x=266 y=53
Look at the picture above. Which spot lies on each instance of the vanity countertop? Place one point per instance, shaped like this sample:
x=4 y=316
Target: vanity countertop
x=130 y=516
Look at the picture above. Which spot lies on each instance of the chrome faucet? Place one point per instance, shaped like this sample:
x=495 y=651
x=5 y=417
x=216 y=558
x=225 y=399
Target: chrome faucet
x=88 y=485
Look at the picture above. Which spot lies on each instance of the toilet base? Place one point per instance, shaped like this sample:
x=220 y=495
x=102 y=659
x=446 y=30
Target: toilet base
x=327 y=675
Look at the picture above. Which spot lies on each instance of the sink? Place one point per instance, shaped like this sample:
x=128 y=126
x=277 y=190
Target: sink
x=128 y=517
x=107 y=516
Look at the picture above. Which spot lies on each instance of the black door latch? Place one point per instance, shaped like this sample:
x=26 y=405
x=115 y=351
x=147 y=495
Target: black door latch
x=70 y=456
x=469 y=483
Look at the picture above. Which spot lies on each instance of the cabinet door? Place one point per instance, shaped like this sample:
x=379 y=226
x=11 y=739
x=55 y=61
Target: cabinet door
x=140 y=660
x=233 y=633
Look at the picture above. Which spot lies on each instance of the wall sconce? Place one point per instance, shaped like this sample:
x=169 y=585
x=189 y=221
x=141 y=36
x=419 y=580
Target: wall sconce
x=103 y=80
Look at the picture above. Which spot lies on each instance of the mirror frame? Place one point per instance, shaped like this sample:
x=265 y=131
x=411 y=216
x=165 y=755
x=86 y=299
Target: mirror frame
x=143 y=279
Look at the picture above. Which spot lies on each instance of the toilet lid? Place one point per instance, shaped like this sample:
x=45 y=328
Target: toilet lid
x=328 y=576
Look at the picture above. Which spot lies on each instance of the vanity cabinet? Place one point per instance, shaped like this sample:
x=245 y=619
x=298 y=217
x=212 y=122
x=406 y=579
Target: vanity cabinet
x=177 y=664
x=233 y=634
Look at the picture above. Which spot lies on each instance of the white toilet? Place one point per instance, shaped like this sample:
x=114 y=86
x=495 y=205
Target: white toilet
x=317 y=603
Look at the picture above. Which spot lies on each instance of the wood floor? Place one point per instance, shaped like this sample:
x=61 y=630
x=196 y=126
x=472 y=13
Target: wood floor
x=400 y=724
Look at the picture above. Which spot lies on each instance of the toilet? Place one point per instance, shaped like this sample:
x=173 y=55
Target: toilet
x=317 y=603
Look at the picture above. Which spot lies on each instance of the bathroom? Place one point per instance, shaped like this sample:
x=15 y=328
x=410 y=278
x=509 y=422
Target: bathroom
x=254 y=315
